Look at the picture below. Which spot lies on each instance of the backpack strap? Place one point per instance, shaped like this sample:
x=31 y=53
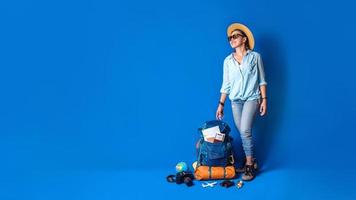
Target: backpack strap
x=199 y=160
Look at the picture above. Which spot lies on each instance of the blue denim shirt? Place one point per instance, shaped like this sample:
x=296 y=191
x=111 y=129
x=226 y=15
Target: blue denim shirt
x=243 y=81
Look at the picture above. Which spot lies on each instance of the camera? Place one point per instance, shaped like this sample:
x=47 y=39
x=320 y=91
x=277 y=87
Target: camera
x=185 y=177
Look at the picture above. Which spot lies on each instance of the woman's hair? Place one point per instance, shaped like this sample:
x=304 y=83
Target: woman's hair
x=247 y=44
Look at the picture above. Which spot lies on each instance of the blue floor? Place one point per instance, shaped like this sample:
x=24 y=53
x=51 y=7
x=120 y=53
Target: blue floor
x=151 y=184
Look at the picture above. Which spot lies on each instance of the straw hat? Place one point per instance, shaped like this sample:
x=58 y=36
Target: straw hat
x=243 y=28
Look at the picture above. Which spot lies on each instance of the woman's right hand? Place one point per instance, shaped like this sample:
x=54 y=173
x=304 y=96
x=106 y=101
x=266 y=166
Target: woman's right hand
x=220 y=112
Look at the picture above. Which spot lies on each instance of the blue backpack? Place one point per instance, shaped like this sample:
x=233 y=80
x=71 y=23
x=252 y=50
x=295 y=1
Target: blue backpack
x=218 y=153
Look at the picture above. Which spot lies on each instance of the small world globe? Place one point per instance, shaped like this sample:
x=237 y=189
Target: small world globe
x=181 y=166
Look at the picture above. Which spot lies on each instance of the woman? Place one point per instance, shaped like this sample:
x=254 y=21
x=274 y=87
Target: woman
x=244 y=83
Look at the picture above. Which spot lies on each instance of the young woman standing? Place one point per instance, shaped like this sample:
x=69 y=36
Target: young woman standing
x=245 y=85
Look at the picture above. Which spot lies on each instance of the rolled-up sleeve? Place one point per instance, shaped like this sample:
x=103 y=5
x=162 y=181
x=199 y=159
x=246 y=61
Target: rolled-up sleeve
x=225 y=87
x=261 y=71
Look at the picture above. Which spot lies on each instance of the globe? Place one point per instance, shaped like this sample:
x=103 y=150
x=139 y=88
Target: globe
x=181 y=166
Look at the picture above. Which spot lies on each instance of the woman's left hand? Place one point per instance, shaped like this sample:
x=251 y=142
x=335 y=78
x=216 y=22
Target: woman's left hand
x=263 y=107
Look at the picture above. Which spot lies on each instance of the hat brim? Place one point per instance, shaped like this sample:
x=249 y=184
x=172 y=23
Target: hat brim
x=234 y=26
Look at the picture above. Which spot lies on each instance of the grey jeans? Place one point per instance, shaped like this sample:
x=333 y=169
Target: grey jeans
x=244 y=113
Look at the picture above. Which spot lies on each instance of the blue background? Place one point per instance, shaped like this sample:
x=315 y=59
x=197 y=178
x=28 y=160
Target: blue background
x=100 y=99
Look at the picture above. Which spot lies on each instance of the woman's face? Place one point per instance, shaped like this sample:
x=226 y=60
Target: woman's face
x=237 y=39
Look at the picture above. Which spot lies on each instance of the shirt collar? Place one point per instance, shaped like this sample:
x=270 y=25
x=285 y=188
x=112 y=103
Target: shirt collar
x=232 y=54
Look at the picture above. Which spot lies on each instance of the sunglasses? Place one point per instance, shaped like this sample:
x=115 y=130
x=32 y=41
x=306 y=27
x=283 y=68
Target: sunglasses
x=234 y=36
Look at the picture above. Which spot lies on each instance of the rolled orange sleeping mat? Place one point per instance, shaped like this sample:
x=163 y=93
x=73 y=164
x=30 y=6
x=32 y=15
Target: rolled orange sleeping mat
x=207 y=172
